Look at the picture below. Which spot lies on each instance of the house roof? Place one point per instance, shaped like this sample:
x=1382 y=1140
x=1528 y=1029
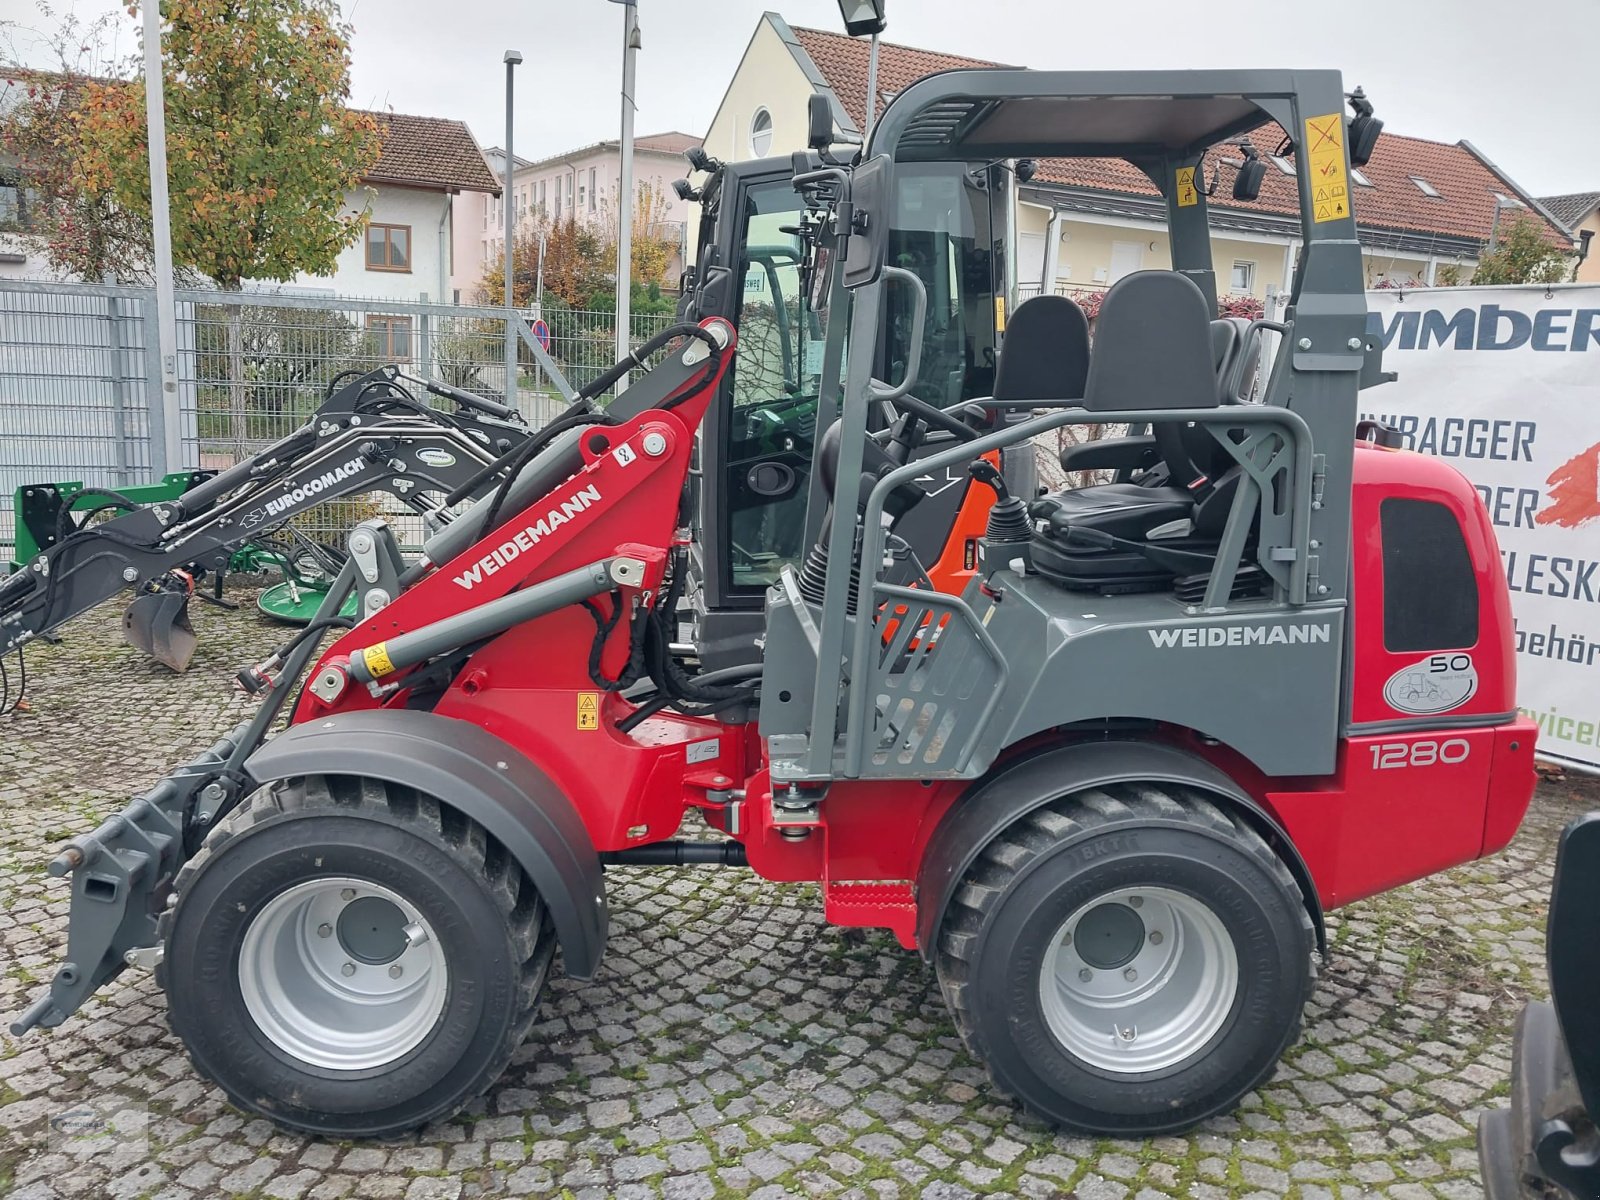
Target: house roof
x=430 y=152
x=672 y=144
x=1466 y=181
x=1573 y=208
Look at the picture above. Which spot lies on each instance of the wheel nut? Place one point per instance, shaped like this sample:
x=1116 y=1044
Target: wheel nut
x=1086 y=974
x=1155 y=937
x=348 y=969
x=1136 y=902
x=347 y=895
x=415 y=935
x=1066 y=939
x=395 y=971
x=1130 y=974
x=324 y=930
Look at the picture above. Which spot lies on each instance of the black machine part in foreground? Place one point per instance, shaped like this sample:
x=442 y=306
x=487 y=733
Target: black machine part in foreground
x=1547 y=1144
x=370 y=435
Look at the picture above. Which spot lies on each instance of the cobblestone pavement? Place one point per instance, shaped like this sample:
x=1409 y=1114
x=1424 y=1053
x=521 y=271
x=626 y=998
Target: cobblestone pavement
x=733 y=1043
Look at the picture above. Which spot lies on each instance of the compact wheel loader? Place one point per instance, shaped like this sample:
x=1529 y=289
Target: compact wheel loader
x=1107 y=791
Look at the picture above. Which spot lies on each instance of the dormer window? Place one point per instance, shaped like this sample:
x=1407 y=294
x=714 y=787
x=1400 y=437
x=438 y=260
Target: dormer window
x=1361 y=180
x=1426 y=188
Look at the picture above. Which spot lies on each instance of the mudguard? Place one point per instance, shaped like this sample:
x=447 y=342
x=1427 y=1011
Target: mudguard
x=480 y=776
x=1025 y=784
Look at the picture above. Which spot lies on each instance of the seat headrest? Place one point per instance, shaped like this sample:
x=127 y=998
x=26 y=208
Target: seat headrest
x=1152 y=346
x=1227 y=344
x=1046 y=352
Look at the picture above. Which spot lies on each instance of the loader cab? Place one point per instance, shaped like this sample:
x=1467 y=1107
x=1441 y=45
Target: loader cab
x=755 y=480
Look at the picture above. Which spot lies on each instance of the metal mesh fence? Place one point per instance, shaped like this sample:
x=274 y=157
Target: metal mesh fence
x=78 y=367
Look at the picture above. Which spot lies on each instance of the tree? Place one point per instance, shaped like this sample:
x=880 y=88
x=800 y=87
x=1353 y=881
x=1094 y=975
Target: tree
x=578 y=265
x=1523 y=253
x=651 y=247
x=261 y=150
x=79 y=232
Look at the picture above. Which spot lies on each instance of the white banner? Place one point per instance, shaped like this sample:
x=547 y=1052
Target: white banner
x=1504 y=383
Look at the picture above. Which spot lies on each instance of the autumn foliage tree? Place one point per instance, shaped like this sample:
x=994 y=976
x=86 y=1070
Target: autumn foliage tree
x=1522 y=254
x=261 y=150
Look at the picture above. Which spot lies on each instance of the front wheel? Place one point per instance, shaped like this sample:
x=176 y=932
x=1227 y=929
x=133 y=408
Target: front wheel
x=351 y=959
x=1127 y=961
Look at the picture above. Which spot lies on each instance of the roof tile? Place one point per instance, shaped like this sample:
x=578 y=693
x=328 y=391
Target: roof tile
x=1572 y=208
x=430 y=152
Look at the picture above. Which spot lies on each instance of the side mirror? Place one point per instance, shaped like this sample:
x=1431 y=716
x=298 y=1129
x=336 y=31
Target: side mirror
x=1247 y=183
x=869 y=235
x=819 y=122
x=1363 y=130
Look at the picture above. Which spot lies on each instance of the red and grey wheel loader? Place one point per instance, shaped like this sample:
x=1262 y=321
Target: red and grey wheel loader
x=1107 y=790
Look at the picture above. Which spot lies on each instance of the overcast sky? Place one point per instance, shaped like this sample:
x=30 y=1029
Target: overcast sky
x=1517 y=80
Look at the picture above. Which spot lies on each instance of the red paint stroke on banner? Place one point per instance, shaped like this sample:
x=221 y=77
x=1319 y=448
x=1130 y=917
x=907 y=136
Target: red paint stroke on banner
x=1574 y=491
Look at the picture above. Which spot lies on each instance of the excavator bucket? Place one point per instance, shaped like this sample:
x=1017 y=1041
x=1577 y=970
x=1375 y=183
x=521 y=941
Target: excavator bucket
x=157 y=622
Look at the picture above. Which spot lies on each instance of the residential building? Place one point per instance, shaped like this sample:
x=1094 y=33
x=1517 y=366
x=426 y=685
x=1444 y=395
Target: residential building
x=1579 y=214
x=1423 y=208
x=414 y=193
x=582 y=184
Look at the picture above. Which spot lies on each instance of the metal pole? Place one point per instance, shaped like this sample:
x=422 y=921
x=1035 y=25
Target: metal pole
x=538 y=284
x=168 y=455
x=507 y=201
x=872 y=93
x=1494 y=226
x=630 y=46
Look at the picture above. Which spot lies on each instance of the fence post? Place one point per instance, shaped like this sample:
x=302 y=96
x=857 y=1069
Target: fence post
x=425 y=340
x=157 y=412
x=119 y=380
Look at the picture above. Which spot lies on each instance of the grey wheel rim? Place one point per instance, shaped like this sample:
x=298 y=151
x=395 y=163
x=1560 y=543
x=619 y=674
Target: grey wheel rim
x=343 y=974
x=1138 y=979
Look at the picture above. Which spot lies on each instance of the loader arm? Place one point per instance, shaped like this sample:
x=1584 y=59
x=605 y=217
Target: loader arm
x=393 y=446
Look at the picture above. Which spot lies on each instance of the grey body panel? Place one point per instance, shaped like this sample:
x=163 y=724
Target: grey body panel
x=1078 y=656
x=476 y=773
x=1031 y=781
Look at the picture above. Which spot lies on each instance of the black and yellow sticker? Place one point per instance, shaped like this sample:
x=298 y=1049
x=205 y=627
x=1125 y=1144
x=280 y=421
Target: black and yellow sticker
x=1187 y=195
x=588 y=710
x=377 y=661
x=1325 y=170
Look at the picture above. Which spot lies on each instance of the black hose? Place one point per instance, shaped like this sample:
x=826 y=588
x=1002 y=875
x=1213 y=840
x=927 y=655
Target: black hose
x=637 y=358
x=64 y=525
x=524 y=454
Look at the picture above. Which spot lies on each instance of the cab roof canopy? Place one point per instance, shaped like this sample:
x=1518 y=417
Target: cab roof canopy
x=987 y=113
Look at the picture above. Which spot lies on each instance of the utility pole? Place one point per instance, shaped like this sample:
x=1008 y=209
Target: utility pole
x=507 y=201
x=168 y=456
x=630 y=47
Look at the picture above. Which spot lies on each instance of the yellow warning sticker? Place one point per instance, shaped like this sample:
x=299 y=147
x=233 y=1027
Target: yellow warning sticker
x=1325 y=168
x=588 y=710
x=1186 y=191
x=999 y=314
x=377 y=660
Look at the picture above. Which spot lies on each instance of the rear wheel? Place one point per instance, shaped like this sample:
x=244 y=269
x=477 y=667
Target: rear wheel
x=350 y=958
x=1127 y=961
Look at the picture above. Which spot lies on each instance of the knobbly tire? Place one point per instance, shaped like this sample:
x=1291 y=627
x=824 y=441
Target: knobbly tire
x=1127 y=960
x=322 y=901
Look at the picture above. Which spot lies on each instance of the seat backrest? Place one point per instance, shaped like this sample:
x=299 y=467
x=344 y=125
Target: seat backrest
x=1227 y=344
x=1046 y=352
x=1152 y=346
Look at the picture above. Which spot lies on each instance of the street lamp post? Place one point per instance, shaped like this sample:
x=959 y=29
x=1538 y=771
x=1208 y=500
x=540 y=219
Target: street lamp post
x=166 y=455
x=507 y=203
x=630 y=48
x=866 y=17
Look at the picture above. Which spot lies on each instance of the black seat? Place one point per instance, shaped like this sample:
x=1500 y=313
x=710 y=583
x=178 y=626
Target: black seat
x=1156 y=347
x=1046 y=352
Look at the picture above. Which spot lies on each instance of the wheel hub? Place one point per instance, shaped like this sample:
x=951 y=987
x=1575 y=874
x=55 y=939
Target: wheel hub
x=1138 y=979
x=372 y=930
x=1109 y=936
x=342 y=974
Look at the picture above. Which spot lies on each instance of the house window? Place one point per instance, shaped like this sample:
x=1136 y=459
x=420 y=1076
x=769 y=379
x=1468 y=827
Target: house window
x=1426 y=188
x=388 y=247
x=392 y=337
x=592 y=199
x=761 y=133
x=1360 y=179
x=544 y=194
x=583 y=194
x=1243 y=278
x=1283 y=164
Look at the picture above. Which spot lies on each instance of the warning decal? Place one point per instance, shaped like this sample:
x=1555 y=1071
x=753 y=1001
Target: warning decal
x=588 y=710
x=377 y=661
x=1325 y=171
x=1186 y=193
